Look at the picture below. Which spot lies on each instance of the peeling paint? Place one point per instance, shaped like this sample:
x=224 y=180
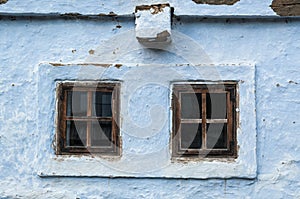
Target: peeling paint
x=292 y=82
x=71 y=15
x=216 y=2
x=286 y=7
x=57 y=64
x=118 y=65
x=111 y=13
x=91 y=52
x=80 y=64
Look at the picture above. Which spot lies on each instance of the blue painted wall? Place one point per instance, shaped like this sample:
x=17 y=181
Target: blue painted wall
x=273 y=45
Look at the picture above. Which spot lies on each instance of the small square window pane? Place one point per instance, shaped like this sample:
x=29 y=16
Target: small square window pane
x=102 y=104
x=76 y=133
x=216 y=136
x=191 y=136
x=101 y=133
x=76 y=103
x=216 y=105
x=191 y=105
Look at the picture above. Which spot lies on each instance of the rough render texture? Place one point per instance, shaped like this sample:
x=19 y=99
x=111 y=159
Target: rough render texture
x=122 y=7
x=125 y=8
x=273 y=45
x=251 y=41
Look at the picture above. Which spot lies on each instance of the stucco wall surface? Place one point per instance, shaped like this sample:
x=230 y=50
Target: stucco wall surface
x=123 y=7
x=273 y=45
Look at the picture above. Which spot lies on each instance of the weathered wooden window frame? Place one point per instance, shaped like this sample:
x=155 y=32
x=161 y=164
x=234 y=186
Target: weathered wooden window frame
x=62 y=118
x=230 y=89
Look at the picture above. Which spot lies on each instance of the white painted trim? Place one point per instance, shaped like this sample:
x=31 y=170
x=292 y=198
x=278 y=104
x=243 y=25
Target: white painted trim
x=138 y=159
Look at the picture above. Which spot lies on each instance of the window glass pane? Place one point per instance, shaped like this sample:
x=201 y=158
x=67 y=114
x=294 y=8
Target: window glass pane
x=191 y=105
x=76 y=133
x=191 y=136
x=216 y=136
x=101 y=133
x=76 y=103
x=102 y=104
x=216 y=105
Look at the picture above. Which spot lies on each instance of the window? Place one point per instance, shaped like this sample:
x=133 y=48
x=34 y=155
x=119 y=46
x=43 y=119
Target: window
x=204 y=120
x=88 y=116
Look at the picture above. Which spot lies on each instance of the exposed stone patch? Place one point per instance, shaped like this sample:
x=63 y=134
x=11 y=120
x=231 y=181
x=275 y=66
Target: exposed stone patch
x=91 y=52
x=118 y=65
x=154 y=9
x=111 y=13
x=286 y=7
x=216 y=2
x=3 y=1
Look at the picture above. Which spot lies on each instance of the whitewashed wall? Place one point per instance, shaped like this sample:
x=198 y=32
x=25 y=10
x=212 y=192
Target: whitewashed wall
x=29 y=44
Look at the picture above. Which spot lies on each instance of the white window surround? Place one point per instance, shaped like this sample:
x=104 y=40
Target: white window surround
x=146 y=155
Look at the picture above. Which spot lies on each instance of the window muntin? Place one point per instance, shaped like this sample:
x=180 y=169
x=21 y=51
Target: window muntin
x=88 y=115
x=204 y=120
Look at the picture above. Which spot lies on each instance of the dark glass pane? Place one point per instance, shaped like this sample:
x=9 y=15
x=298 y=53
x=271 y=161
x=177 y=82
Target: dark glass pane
x=216 y=136
x=191 y=136
x=191 y=105
x=101 y=133
x=76 y=103
x=102 y=104
x=76 y=133
x=216 y=105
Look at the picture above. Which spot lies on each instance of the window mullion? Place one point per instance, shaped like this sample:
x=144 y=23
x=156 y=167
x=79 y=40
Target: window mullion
x=115 y=115
x=63 y=97
x=229 y=120
x=89 y=114
x=203 y=120
x=113 y=107
x=178 y=118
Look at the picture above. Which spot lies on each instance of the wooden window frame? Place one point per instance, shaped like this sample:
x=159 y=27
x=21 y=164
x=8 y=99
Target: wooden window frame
x=62 y=118
x=230 y=88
